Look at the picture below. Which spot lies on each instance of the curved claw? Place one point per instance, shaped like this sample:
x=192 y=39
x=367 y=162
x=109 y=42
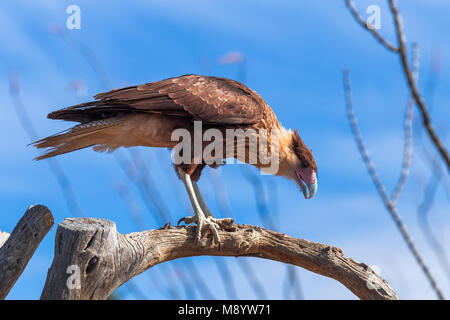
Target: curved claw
x=186 y=220
x=182 y=219
x=212 y=226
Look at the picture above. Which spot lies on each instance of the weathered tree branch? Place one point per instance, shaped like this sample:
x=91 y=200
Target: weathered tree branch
x=92 y=259
x=19 y=247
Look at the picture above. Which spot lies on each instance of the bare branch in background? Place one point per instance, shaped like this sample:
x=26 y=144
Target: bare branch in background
x=407 y=148
x=292 y=291
x=426 y=119
x=131 y=205
x=292 y=281
x=27 y=125
x=437 y=177
x=154 y=204
x=380 y=188
x=86 y=52
x=139 y=223
x=423 y=211
x=259 y=193
x=401 y=51
x=221 y=195
x=222 y=266
x=107 y=259
x=372 y=30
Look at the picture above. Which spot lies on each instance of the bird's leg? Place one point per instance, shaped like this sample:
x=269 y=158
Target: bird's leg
x=206 y=211
x=199 y=216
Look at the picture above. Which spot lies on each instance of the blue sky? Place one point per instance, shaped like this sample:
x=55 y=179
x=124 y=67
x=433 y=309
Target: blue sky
x=295 y=52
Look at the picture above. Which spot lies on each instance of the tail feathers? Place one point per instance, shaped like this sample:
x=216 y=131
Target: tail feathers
x=79 y=137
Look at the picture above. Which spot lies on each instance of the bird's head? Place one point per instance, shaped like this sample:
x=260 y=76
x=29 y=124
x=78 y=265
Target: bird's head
x=297 y=163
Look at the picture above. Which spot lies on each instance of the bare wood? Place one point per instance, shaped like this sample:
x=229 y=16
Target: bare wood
x=20 y=246
x=106 y=259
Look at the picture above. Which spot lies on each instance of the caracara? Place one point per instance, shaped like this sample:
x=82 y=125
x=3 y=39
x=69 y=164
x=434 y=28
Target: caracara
x=149 y=114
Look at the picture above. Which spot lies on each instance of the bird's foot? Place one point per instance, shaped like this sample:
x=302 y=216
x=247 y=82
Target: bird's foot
x=209 y=224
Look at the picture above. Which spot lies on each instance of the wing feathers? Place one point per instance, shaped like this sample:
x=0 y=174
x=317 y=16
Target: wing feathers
x=210 y=99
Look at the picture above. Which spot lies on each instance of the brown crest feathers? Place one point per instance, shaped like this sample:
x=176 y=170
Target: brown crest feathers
x=302 y=151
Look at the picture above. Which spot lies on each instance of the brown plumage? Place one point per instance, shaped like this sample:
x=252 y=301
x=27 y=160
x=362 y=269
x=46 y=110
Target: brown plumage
x=148 y=114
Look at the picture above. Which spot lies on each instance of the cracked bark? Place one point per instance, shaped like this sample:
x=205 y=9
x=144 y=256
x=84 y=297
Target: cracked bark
x=105 y=259
x=18 y=248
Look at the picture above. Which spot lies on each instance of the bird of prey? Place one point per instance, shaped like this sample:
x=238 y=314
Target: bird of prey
x=148 y=114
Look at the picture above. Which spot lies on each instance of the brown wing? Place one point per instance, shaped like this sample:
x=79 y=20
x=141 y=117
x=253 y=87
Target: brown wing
x=210 y=99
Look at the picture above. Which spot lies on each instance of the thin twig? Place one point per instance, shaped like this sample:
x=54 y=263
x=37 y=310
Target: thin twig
x=407 y=148
x=153 y=202
x=259 y=193
x=437 y=177
x=423 y=211
x=380 y=188
x=292 y=291
x=401 y=50
x=373 y=31
x=27 y=125
x=221 y=195
x=138 y=221
x=426 y=119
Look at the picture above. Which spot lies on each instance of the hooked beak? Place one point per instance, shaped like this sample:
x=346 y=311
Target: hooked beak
x=307 y=181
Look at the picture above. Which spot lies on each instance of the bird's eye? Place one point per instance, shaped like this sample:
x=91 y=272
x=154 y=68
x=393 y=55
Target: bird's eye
x=304 y=164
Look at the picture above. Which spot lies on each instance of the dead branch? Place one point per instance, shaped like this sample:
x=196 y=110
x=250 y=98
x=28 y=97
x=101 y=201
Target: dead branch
x=373 y=31
x=409 y=74
x=390 y=206
x=426 y=120
x=28 y=126
x=18 y=248
x=92 y=259
x=408 y=133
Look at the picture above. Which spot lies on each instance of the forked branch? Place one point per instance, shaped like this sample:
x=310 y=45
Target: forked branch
x=408 y=71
